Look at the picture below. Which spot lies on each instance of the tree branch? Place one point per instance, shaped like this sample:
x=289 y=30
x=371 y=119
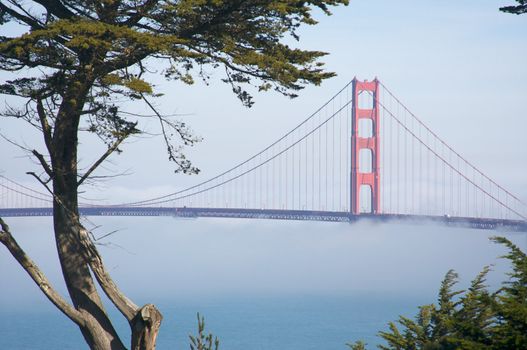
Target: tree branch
x=106 y=154
x=140 y=12
x=518 y=10
x=34 y=24
x=38 y=276
x=46 y=128
x=43 y=183
x=125 y=305
x=43 y=162
x=56 y=8
x=174 y=154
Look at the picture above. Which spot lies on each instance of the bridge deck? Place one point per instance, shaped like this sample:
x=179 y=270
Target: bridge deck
x=274 y=214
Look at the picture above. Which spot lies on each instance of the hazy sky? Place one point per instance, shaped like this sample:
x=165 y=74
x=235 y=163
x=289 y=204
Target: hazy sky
x=459 y=65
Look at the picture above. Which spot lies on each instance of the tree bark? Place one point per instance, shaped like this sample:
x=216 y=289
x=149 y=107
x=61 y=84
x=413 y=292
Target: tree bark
x=98 y=332
x=77 y=254
x=145 y=327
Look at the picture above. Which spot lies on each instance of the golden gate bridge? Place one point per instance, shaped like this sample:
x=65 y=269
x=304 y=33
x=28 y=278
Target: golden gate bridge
x=362 y=155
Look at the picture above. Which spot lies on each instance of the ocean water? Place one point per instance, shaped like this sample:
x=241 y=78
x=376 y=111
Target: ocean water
x=262 y=284
x=277 y=322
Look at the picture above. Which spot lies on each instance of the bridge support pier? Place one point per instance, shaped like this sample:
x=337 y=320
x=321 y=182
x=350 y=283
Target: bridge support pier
x=364 y=91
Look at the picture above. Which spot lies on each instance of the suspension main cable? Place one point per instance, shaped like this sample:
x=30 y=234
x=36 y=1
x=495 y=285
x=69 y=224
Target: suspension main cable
x=504 y=205
x=449 y=147
x=147 y=201
x=258 y=165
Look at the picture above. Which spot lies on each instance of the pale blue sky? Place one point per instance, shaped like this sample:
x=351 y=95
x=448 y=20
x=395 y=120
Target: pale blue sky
x=459 y=65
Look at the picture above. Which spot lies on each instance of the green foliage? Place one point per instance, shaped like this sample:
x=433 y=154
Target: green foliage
x=203 y=341
x=473 y=319
x=518 y=9
x=87 y=58
x=358 y=345
x=510 y=302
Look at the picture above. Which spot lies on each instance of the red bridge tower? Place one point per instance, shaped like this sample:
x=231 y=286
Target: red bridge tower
x=371 y=141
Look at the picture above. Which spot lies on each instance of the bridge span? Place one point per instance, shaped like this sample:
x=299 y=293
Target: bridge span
x=280 y=214
x=363 y=155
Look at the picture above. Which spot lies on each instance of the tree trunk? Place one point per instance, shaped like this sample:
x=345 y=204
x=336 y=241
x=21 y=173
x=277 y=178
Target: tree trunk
x=77 y=254
x=145 y=327
x=98 y=332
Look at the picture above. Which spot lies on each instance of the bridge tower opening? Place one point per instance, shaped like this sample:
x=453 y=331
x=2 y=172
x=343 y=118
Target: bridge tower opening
x=365 y=106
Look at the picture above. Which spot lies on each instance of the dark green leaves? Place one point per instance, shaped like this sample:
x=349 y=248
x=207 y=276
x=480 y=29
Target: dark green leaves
x=510 y=302
x=518 y=9
x=473 y=319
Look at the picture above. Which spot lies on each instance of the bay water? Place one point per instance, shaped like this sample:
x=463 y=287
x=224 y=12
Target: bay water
x=249 y=322
x=259 y=284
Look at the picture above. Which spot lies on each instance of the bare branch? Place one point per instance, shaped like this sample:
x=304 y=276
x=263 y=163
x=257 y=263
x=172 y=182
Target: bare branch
x=106 y=154
x=101 y=178
x=43 y=162
x=25 y=149
x=173 y=153
x=25 y=19
x=139 y=115
x=106 y=235
x=43 y=183
x=38 y=276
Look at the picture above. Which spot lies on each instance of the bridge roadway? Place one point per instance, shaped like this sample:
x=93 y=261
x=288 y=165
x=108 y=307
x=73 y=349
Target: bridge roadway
x=276 y=214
